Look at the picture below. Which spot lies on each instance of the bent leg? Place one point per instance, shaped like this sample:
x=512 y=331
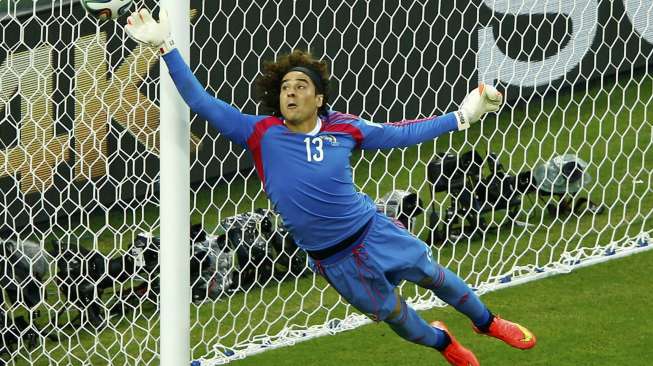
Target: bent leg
x=361 y=282
x=454 y=291
x=405 y=321
x=412 y=261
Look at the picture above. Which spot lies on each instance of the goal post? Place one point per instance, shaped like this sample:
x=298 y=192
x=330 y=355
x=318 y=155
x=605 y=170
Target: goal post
x=175 y=201
x=133 y=233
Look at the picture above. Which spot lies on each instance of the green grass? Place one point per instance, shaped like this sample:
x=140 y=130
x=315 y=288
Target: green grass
x=595 y=315
x=607 y=123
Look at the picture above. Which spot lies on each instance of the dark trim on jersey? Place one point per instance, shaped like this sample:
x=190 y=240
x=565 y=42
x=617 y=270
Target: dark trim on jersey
x=411 y=121
x=254 y=142
x=341 y=117
x=344 y=128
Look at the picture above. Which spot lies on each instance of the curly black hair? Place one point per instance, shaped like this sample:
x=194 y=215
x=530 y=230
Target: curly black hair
x=268 y=84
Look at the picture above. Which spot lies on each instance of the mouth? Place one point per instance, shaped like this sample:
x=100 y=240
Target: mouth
x=291 y=106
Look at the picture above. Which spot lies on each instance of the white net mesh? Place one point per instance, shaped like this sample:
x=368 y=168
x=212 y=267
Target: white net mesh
x=79 y=162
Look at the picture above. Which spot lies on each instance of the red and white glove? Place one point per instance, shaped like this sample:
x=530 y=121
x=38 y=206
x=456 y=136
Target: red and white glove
x=142 y=28
x=479 y=101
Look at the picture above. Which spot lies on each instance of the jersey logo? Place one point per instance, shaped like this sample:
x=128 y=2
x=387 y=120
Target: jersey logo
x=330 y=139
x=528 y=336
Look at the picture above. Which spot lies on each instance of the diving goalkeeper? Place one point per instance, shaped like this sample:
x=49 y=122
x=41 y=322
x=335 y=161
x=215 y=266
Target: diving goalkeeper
x=301 y=152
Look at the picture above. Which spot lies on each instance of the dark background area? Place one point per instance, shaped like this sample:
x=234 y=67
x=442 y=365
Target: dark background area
x=390 y=60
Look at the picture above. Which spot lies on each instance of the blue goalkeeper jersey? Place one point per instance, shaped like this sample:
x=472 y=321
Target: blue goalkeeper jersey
x=307 y=177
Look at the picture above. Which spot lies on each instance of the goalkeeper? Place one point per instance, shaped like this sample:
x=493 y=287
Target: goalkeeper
x=301 y=152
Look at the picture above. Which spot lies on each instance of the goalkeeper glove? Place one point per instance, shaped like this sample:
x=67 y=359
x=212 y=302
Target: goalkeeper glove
x=481 y=100
x=142 y=28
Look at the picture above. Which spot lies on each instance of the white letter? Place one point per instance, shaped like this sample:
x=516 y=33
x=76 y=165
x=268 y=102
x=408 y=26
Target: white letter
x=640 y=15
x=495 y=65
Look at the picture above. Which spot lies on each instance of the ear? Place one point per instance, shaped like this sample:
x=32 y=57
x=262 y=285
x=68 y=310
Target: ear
x=320 y=100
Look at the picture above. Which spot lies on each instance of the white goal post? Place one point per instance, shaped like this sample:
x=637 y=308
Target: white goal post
x=133 y=233
x=175 y=202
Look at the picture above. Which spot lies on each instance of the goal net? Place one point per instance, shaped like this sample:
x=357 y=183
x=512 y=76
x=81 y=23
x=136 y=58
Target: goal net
x=559 y=178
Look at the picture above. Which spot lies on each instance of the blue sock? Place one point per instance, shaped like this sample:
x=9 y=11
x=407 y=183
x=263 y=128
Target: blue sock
x=411 y=327
x=455 y=292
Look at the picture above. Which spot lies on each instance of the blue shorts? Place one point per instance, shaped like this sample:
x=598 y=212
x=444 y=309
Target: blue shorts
x=367 y=273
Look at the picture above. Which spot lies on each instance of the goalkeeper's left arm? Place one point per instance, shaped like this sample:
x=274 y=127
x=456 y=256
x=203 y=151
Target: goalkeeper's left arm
x=480 y=101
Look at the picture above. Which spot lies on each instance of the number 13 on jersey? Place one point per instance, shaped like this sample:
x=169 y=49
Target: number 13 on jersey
x=319 y=155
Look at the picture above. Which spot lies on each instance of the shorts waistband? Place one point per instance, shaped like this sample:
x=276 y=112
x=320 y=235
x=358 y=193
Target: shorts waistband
x=341 y=246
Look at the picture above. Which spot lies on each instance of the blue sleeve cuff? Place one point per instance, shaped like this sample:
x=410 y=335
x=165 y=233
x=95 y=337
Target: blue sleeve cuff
x=174 y=60
x=449 y=121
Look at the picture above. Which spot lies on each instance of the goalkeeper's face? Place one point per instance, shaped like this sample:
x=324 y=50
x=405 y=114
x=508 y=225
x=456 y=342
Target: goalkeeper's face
x=299 y=101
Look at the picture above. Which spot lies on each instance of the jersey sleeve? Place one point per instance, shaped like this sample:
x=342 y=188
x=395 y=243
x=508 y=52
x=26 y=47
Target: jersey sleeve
x=404 y=133
x=228 y=120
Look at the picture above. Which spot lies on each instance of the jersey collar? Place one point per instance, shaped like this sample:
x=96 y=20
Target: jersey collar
x=314 y=131
x=318 y=127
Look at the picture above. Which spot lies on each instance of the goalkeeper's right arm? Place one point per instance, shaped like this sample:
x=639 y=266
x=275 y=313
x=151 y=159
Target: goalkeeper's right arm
x=228 y=120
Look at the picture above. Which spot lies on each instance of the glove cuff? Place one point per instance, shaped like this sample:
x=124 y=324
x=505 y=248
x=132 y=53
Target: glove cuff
x=167 y=46
x=463 y=123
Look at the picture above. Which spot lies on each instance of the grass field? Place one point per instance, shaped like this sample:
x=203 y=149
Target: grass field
x=593 y=316
x=607 y=123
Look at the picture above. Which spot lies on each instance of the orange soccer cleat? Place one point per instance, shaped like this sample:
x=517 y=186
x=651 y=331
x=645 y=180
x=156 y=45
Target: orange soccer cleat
x=455 y=353
x=511 y=333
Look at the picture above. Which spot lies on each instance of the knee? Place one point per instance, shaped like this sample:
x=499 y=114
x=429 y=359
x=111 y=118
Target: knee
x=434 y=281
x=391 y=310
x=395 y=312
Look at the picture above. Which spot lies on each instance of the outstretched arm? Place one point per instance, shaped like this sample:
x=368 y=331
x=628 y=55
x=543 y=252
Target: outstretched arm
x=481 y=100
x=222 y=116
x=405 y=133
